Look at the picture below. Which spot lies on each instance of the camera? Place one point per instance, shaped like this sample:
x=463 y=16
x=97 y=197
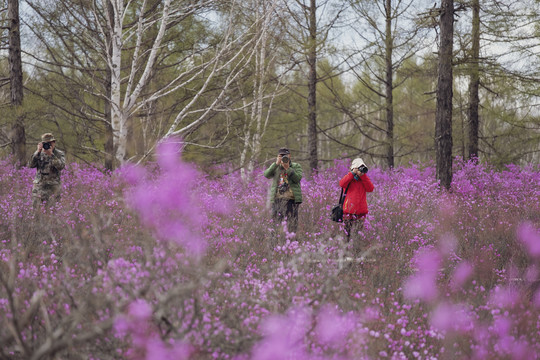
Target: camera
x=363 y=169
x=285 y=159
x=283 y=188
x=46 y=145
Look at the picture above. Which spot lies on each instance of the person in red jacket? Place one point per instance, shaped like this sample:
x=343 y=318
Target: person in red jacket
x=355 y=208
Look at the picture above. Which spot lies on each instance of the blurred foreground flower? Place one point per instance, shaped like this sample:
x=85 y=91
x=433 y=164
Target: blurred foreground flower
x=423 y=284
x=284 y=336
x=147 y=343
x=530 y=237
x=168 y=203
x=451 y=317
x=333 y=328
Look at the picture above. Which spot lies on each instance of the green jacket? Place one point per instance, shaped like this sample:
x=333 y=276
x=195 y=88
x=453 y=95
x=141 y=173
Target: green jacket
x=294 y=174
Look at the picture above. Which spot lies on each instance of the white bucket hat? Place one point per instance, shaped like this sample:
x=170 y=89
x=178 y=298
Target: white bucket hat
x=356 y=163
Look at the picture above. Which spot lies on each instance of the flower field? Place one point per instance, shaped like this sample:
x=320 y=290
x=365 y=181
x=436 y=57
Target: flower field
x=167 y=262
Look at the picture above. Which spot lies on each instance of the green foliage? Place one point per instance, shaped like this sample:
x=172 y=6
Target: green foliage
x=66 y=92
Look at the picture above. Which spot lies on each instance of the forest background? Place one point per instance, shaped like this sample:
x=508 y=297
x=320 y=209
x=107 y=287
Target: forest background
x=163 y=259
x=239 y=79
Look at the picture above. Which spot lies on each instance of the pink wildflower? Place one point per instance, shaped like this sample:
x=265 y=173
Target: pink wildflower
x=530 y=237
x=423 y=285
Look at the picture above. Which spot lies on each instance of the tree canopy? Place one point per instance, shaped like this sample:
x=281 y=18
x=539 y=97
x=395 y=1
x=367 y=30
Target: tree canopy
x=237 y=80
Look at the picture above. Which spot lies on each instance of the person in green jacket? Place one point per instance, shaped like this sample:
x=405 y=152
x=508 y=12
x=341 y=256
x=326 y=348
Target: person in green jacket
x=285 y=192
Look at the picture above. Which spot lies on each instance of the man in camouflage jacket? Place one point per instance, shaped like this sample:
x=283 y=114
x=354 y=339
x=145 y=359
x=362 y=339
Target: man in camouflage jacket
x=49 y=163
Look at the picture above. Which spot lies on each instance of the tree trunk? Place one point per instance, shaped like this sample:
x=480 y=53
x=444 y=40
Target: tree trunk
x=18 y=136
x=474 y=82
x=389 y=84
x=118 y=120
x=443 y=116
x=312 y=88
x=109 y=141
x=114 y=14
x=109 y=137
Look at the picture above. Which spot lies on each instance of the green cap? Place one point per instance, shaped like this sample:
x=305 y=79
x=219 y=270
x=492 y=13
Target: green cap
x=47 y=137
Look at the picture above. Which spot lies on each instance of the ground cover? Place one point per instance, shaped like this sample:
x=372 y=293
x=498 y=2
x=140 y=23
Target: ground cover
x=167 y=262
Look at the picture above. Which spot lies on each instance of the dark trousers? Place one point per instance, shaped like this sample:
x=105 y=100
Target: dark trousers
x=286 y=209
x=354 y=224
x=45 y=194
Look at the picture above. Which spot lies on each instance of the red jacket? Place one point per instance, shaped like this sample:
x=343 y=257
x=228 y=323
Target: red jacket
x=355 y=201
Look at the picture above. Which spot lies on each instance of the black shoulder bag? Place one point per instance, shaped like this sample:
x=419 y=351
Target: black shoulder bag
x=337 y=210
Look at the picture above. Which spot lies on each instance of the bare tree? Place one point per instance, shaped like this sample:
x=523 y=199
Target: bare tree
x=500 y=49
x=443 y=116
x=17 y=133
x=124 y=106
x=389 y=39
x=312 y=22
x=389 y=105
x=312 y=86
x=474 y=83
x=265 y=84
x=130 y=50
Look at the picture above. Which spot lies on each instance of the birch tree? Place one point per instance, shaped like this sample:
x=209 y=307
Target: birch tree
x=130 y=46
x=265 y=83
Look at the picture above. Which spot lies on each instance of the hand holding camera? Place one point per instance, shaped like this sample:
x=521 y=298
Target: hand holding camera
x=283 y=160
x=361 y=170
x=46 y=147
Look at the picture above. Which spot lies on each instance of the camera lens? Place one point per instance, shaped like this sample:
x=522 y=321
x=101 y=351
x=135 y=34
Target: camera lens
x=47 y=145
x=285 y=159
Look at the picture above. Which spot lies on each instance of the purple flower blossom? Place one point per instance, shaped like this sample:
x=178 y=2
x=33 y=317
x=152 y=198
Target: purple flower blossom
x=462 y=273
x=423 y=284
x=332 y=327
x=158 y=350
x=450 y=317
x=140 y=310
x=536 y=299
x=169 y=203
x=506 y=296
x=530 y=237
x=284 y=336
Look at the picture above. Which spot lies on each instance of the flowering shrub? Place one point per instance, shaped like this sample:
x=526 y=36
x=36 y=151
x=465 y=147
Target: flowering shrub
x=165 y=262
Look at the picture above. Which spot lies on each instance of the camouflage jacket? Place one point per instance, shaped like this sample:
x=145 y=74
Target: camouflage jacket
x=48 y=167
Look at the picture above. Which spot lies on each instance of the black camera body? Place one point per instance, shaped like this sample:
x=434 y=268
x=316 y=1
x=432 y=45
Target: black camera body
x=283 y=188
x=46 y=145
x=363 y=169
x=285 y=159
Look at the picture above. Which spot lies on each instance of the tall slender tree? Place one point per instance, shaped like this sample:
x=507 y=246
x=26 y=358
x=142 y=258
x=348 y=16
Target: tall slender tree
x=443 y=115
x=259 y=91
x=474 y=82
x=309 y=32
x=18 y=136
x=389 y=81
x=312 y=86
x=389 y=40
